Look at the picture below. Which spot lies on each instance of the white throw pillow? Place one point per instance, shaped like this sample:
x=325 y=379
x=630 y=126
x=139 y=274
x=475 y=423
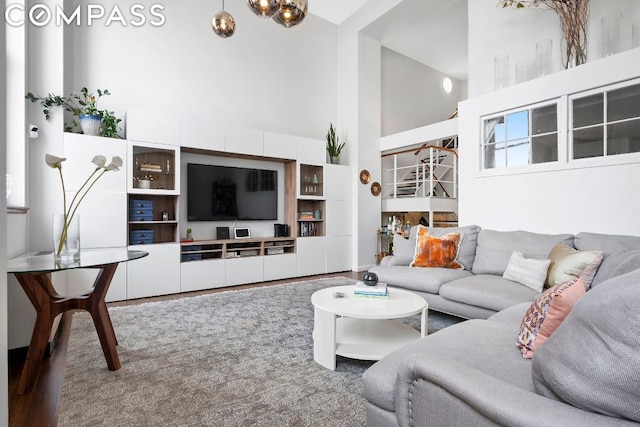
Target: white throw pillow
x=528 y=271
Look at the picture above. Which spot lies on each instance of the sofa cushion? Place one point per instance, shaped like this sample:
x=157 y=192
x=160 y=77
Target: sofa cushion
x=486 y=290
x=481 y=344
x=568 y=263
x=546 y=313
x=418 y=279
x=403 y=249
x=592 y=361
x=467 y=251
x=434 y=251
x=511 y=316
x=607 y=243
x=527 y=271
x=495 y=248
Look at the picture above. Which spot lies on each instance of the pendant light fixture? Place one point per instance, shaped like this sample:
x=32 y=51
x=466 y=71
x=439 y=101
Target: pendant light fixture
x=291 y=12
x=264 y=8
x=223 y=23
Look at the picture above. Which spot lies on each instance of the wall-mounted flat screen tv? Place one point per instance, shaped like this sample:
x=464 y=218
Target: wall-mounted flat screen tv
x=224 y=193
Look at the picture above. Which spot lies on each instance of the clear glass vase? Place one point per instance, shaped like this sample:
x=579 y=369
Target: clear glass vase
x=66 y=238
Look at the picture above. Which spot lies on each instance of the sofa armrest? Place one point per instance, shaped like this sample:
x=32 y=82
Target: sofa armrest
x=433 y=390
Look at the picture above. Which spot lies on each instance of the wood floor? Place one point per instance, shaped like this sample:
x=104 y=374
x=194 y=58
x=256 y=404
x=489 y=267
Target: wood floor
x=40 y=406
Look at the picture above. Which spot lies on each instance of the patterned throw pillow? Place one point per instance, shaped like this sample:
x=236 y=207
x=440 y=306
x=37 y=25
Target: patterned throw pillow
x=568 y=263
x=527 y=271
x=547 y=313
x=434 y=251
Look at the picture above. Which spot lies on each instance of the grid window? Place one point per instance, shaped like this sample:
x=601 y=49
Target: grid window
x=607 y=123
x=521 y=137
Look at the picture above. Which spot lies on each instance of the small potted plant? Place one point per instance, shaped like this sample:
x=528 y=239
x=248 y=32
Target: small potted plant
x=82 y=106
x=334 y=147
x=189 y=235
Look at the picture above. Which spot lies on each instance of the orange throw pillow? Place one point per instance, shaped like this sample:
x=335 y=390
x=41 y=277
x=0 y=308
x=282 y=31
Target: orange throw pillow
x=434 y=251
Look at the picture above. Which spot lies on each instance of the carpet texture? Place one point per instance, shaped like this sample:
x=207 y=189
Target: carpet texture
x=234 y=358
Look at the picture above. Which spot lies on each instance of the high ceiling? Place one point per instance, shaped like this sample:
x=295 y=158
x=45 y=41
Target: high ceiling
x=432 y=32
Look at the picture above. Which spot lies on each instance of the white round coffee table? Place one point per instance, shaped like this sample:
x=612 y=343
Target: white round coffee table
x=363 y=328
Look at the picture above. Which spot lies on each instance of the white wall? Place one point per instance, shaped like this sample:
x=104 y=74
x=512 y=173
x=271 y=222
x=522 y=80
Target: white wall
x=494 y=30
x=594 y=195
x=412 y=94
x=263 y=77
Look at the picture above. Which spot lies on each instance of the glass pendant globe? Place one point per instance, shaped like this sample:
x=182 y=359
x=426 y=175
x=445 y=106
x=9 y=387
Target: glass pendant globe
x=223 y=24
x=291 y=12
x=264 y=8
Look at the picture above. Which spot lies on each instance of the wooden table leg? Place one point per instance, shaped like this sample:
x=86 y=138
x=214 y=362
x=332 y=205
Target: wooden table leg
x=101 y=319
x=35 y=286
x=48 y=304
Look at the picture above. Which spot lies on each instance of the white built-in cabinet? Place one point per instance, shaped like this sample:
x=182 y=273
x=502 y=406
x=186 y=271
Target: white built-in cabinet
x=156 y=274
x=158 y=139
x=338 y=226
x=312 y=255
x=103 y=212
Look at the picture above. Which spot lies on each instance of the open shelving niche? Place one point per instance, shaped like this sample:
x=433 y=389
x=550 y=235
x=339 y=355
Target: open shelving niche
x=152 y=179
x=311 y=203
x=235 y=248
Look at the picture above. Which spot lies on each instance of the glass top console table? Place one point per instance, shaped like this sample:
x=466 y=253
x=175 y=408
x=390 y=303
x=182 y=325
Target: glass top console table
x=33 y=272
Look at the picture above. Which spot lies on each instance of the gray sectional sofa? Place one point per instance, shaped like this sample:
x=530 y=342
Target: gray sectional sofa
x=472 y=373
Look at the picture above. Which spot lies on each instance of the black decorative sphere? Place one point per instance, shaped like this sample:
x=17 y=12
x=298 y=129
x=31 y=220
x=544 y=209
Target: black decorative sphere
x=370 y=279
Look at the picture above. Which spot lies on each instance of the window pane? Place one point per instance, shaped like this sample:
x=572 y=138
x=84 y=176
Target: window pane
x=518 y=153
x=544 y=119
x=588 y=142
x=623 y=103
x=623 y=137
x=494 y=156
x=588 y=111
x=518 y=125
x=491 y=127
x=544 y=149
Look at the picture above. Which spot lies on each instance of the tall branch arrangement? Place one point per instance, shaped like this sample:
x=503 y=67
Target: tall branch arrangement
x=574 y=19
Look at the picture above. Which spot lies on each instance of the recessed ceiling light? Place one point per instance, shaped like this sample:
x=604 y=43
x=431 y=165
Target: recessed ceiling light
x=447 y=84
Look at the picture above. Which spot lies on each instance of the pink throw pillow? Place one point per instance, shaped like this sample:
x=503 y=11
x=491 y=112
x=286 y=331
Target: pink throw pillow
x=547 y=313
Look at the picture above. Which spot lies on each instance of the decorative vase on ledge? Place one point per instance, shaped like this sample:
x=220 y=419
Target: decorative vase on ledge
x=66 y=240
x=334 y=160
x=90 y=124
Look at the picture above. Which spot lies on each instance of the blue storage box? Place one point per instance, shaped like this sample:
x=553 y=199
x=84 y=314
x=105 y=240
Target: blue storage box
x=191 y=257
x=141 y=210
x=145 y=204
x=140 y=237
x=140 y=214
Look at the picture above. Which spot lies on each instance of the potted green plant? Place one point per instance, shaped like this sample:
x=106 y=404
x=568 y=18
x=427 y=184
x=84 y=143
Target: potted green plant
x=334 y=147
x=83 y=107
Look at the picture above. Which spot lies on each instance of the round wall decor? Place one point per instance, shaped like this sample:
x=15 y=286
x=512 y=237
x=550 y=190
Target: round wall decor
x=364 y=176
x=376 y=188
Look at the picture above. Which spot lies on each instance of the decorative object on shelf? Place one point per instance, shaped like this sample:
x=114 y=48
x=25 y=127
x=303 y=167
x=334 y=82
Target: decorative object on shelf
x=365 y=176
x=370 y=279
x=543 y=57
x=501 y=71
x=223 y=23
x=525 y=70
x=334 y=147
x=82 y=106
x=189 y=236
x=574 y=19
x=66 y=236
x=316 y=214
x=611 y=34
x=287 y=13
x=376 y=188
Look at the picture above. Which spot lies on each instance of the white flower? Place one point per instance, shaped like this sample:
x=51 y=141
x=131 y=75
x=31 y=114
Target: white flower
x=116 y=164
x=100 y=161
x=54 y=161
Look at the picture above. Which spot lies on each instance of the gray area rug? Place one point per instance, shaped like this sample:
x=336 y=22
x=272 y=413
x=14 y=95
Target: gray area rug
x=235 y=358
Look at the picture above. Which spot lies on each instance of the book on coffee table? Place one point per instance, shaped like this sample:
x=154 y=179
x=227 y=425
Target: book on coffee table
x=362 y=290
